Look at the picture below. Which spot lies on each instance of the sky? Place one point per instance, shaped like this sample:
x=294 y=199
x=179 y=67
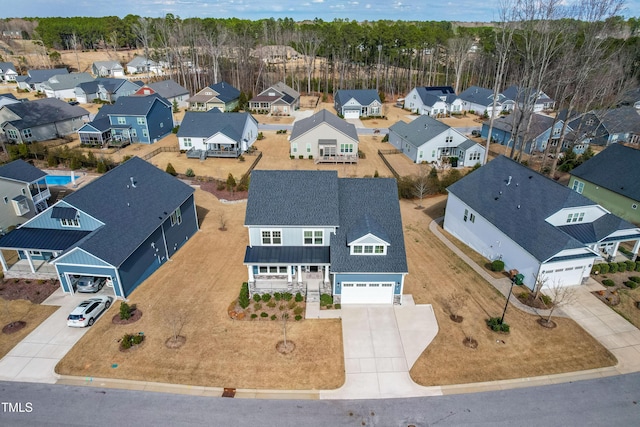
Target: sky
x=328 y=10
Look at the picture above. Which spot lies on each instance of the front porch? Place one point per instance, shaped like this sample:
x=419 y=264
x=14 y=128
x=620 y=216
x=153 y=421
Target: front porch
x=310 y=284
x=29 y=268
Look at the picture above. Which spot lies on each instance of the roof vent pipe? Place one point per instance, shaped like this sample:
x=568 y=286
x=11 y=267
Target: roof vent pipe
x=509 y=180
x=133 y=183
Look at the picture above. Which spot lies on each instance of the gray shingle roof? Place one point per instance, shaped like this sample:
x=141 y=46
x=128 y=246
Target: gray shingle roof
x=107 y=64
x=477 y=95
x=420 y=130
x=19 y=170
x=226 y=92
x=620 y=120
x=43 y=111
x=364 y=226
x=294 y=198
x=520 y=208
x=39 y=76
x=294 y=94
x=168 y=88
x=67 y=81
x=135 y=105
x=141 y=61
x=303 y=126
x=427 y=97
x=206 y=124
x=6 y=66
x=130 y=214
x=616 y=168
x=376 y=198
x=467 y=144
x=363 y=96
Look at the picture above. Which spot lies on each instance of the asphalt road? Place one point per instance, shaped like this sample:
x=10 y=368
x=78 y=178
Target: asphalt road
x=611 y=401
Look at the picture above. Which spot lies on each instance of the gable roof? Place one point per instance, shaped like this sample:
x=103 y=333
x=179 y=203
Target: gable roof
x=303 y=126
x=520 y=208
x=226 y=92
x=616 y=168
x=363 y=96
x=168 y=88
x=369 y=205
x=293 y=198
x=129 y=213
x=107 y=64
x=620 y=120
x=287 y=90
x=39 y=76
x=67 y=81
x=6 y=66
x=428 y=98
x=43 y=111
x=539 y=123
x=21 y=171
x=141 y=61
x=112 y=85
x=478 y=95
x=420 y=130
x=206 y=124
x=134 y=105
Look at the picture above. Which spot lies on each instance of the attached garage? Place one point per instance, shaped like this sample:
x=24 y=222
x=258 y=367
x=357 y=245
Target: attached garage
x=565 y=274
x=367 y=293
x=351 y=114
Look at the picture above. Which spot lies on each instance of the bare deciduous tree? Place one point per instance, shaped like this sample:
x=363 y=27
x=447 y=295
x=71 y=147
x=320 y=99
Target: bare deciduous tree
x=454 y=303
x=421 y=183
x=458 y=52
x=560 y=296
x=176 y=320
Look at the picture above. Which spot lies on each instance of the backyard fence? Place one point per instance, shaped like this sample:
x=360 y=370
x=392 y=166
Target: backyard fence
x=382 y=153
x=253 y=165
x=160 y=150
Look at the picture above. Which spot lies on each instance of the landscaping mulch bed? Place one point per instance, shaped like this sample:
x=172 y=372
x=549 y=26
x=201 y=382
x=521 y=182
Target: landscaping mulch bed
x=32 y=290
x=135 y=316
x=285 y=349
x=175 y=342
x=13 y=327
x=212 y=187
x=255 y=309
x=528 y=298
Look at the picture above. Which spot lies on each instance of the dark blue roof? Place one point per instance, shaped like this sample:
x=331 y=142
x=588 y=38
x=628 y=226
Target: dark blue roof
x=43 y=111
x=363 y=96
x=136 y=105
x=8 y=95
x=428 y=98
x=477 y=95
x=367 y=225
x=130 y=212
x=19 y=170
x=99 y=124
x=287 y=255
x=293 y=198
x=617 y=168
x=59 y=212
x=205 y=124
x=226 y=92
x=520 y=208
x=376 y=198
x=41 y=239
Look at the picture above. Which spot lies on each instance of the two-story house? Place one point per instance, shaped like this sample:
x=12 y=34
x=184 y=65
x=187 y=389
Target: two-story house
x=221 y=95
x=278 y=99
x=611 y=179
x=356 y=103
x=426 y=139
x=123 y=226
x=8 y=72
x=314 y=233
x=169 y=90
x=546 y=231
x=216 y=134
x=605 y=127
x=104 y=89
x=24 y=193
x=324 y=137
x=132 y=119
x=40 y=120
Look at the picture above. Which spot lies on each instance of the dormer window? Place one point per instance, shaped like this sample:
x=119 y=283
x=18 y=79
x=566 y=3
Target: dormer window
x=575 y=217
x=73 y=222
x=368 y=250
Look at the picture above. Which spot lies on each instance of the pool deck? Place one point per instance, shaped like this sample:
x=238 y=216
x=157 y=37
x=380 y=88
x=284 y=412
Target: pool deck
x=82 y=179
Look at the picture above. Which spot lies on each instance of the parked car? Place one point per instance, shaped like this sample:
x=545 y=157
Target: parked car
x=476 y=133
x=88 y=311
x=87 y=284
x=73 y=103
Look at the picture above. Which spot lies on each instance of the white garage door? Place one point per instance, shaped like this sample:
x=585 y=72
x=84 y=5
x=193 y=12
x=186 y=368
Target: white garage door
x=367 y=293
x=567 y=276
x=352 y=114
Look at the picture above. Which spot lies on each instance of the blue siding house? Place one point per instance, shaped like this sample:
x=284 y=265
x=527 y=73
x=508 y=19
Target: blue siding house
x=122 y=226
x=314 y=233
x=132 y=119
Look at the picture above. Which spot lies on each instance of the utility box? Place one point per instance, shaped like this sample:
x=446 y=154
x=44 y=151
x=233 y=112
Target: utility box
x=518 y=279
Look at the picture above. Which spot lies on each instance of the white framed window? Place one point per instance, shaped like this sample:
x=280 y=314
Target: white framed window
x=140 y=120
x=357 y=249
x=308 y=147
x=12 y=134
x=176 y=217
x=69 y=222
x=187 y=142
x=472 y=218
x=133 y=132
x=575 y=217
x=368 y=250
x=578 y=186
x=313 y=237
x=271 y=237
x=448 y=139
x=122 y=121
x=294 y=147
x=27 y=133
x=346 y=148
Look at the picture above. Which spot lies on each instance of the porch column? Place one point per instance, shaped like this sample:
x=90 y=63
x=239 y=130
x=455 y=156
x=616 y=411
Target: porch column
x=33 y=270
x=299 y=274
x=615 y=249
x=3 y=262
x=289 y=278
x=326 y=273
x=250 y=270
x=635 y=250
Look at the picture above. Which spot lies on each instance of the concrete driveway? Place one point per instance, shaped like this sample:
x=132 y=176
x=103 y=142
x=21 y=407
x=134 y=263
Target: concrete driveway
x=381 y=343
x=34 y=358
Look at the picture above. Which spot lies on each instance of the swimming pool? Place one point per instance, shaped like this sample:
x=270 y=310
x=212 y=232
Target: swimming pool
x=59 y=179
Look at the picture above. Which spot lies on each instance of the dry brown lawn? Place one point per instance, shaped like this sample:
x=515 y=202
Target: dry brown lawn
x=528 y=350
x=202 y=279
x=21 y=310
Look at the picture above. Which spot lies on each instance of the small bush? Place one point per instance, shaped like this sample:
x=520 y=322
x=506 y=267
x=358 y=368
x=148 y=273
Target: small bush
x=292 y=304
x=326 y=299
x=298 y=310
x=254 y=316
x=613 y=267
x=595 y=269
x=282 y=307
x=631 y=284
x=497 y=265
x=287 y=296
x=125 y=311
x=546 y=300
x=190 y=173
x=257 y=306
x=637 y=265
x=608 y=282
x=496 y=326
x=243 y=299
x=171 y=170
x=604 y=268
x=299 y=297
x=271 y=304
x=263 y=314
x=622 y=267
x=257 y=297
x=266 y=297
x=337 y=306
x=631 y=265
x=274 y=317
x=277 y=296
x=298 y=318
x=129 y=340
x=301 y=157
x=635 y=279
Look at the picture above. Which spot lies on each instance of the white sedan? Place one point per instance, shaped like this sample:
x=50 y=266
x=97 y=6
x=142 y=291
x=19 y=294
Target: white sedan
x=88 y=311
